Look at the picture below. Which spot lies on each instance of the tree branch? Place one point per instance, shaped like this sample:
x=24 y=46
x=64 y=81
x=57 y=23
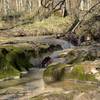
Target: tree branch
x=80 y=21
x=50 y=3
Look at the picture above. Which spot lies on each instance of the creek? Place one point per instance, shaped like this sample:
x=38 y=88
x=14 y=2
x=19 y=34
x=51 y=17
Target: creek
x=32 y=83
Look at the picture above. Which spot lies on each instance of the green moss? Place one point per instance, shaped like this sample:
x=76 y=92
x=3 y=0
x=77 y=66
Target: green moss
x=55 y=71
x=90 y=77
x=19 y=60
x=9 y=71
x=13 y=60
x=52 y=67
x=79 y=74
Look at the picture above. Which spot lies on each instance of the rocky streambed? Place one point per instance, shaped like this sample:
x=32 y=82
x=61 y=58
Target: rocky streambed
x=24 y=88
x=20 y=60
x=73 y=74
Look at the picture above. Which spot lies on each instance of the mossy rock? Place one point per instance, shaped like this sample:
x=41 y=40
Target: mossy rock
x=54 y=72
x=13 y=60
x=19 y=60
x=16 y=58
x=78 y=73
x=58 y=72
x=9 y=72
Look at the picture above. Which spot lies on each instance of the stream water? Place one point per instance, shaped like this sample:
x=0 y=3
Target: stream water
x=32 y=83
x=22 y=89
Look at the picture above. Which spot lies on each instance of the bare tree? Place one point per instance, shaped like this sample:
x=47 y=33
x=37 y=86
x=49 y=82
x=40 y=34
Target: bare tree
x=53 y=7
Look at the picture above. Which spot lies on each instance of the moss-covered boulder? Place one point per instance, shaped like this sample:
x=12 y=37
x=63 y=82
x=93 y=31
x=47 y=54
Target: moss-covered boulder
x=19 y=57
x=78 y=72
x=13 y=60
x=54 y=72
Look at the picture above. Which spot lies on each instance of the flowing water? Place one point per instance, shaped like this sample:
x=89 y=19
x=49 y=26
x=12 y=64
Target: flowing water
x=22 y=89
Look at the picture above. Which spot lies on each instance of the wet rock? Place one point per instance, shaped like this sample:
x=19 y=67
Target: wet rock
x=89 y=53
x=80 y=63
x=85 y=71
x=55 y=72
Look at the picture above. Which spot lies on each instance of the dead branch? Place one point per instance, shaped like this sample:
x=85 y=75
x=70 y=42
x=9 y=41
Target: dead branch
x=80 y=21
x=50 y=4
